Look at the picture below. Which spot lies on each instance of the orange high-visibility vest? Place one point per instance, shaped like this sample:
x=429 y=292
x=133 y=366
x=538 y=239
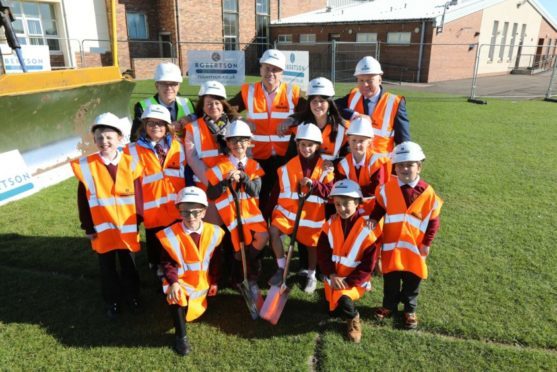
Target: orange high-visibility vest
x=205 y=144
x=161 y=184
x=252 y=218
x=330 y=150
x=112 y=203
x=347 y=253
x=382 y=119
x=265 y=139
x=404 y=227
x=313 y=212
x=372 y=163
x=193 y=264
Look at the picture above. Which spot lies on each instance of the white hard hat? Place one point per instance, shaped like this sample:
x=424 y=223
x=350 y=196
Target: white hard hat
x=212 y=88
x=273 y=57
x=192 y=194
x=238 y=128
x=108 y=119
x=321 y=87
x=361 y=126
x=168 y=72
x=346 y=187
x=408 y=151
x=156 y=111
x=309 y=131
x=368 y=65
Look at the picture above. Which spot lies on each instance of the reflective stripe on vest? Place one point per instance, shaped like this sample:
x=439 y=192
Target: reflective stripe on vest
x=124 y=229
x=338 y=144
x=160 y=201
x=197 y=143
x=183 y=107
x=350 y=259
x=263 y=138
x=252 y=219
x=384 y=131
x=354 y=101
x=264 y=115
x=305 y=223
x=184 y=104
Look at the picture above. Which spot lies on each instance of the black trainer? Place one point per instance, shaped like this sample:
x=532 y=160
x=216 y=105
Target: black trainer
x=112 y=311
x=182 y=346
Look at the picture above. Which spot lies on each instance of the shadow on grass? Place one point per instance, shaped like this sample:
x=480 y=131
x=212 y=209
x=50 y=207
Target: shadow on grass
x=53 y=283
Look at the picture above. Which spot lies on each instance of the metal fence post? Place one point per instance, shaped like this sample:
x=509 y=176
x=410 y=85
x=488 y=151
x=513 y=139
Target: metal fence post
x=333 y=60
x=472 y=97
x=549 y=92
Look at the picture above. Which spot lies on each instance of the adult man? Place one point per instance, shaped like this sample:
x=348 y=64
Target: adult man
x=167 y=82
x=387 y=111
x=268 y=103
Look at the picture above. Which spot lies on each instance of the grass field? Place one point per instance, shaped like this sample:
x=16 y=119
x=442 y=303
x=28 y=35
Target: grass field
x=490 y=302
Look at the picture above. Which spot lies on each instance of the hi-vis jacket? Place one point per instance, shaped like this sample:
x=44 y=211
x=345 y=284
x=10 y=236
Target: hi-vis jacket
x=404 y=228
x=372 y=164
x=205 y=145
x=185 y=106
x=382 y=119
x=267 y=142
x=347 y=253
x=161 y=184
x=193 y=264
x=112 y=203
x=313 y=212
x=252 y=219
x=330 y=150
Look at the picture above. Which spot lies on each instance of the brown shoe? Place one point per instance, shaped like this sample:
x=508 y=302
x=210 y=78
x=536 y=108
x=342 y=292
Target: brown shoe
x=382 y=313
x=410 y=320
x=354 y=329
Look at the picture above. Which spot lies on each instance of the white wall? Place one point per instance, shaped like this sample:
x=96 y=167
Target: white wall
x=88 y=20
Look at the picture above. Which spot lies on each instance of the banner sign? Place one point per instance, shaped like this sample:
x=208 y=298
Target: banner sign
x=35 y=57
x=297 y=68
x=15 y=178
x=227 y=67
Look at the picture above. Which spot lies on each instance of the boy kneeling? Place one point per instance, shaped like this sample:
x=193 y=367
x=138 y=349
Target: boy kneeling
x=346 y=255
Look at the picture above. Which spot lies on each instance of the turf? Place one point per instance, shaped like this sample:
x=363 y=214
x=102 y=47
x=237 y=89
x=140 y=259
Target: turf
x=490 y=302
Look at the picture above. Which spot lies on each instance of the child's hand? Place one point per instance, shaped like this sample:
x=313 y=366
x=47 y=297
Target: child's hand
x=328 y=166
x=306 y=182
x=175 y=293
x=371 y=224
x=337 y=282
x=91 y=236
x=284 y=127
x=234 y=175
x=424 y=250
x=213 y=289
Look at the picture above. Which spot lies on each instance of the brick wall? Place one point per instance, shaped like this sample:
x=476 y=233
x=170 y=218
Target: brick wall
x=291 y=8
x=144 y=68
x=549 y=34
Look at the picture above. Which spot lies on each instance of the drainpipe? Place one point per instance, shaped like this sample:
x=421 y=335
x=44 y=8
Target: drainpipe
x=114 y=35
x=421 y=53
x=278 y=10
x=178 y=38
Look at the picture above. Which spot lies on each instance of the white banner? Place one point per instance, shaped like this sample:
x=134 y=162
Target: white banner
x=297 y=68
x=15 y=178
x=35 y=57
x=227 y=67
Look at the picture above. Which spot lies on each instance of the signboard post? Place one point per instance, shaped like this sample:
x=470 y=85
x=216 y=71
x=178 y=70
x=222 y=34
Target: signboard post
x=227 y=67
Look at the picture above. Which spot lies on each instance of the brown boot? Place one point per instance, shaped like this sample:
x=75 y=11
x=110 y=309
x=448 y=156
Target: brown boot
x=354 y=329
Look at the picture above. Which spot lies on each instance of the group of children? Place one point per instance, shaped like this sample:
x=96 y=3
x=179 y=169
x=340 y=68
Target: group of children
x=357 y=212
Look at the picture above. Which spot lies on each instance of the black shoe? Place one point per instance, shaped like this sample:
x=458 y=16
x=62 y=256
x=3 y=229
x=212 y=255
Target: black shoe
x=112 y=311
x=135 y=304
x=182 y=346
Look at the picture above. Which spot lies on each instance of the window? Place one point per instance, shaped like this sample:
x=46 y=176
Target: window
x=230 y=22
x=398 y=37
x=513 y=41
x=366 y=37
x=35 y=24
x=137 y=26
x=262 y=20
x=494 y=33
x=307 y=38
x=503 y=41
x=285 y=39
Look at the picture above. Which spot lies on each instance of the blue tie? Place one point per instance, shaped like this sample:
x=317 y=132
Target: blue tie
x=366 y=106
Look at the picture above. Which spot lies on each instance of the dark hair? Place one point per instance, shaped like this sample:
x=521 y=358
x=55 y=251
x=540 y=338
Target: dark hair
x=333 y=116
x=101 y=127
x=141 y=129
x=228 y=110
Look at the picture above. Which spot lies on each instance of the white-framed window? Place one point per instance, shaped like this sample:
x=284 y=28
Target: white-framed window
x=307 y=38
x=262 y=22
x=503 y=41
x=493 y=41
x=284 y=38
x=35 y=23
x=513 y=41
x=366 y=37
x=399 y=37
x=230 y=21
x=137 y=26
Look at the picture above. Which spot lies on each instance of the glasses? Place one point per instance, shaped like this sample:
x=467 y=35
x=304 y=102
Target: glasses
x=235 y=140
x=155 y=123
x=191 y=212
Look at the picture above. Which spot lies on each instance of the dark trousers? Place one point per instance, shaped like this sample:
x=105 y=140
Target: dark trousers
x=178 y=314
x=345 y=309
x=401 y=286
x=268 y=181
x=113 y=285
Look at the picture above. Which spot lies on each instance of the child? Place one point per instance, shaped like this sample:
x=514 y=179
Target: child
x=245 y=176
x=187 y=262
x=411 y=210
x=163 y=160
x=362 y=165
x=346 y=256
x=109 y=202
x=305 y=173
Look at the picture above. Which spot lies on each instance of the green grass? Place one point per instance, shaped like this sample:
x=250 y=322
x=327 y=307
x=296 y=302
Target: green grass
x=490 y=302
